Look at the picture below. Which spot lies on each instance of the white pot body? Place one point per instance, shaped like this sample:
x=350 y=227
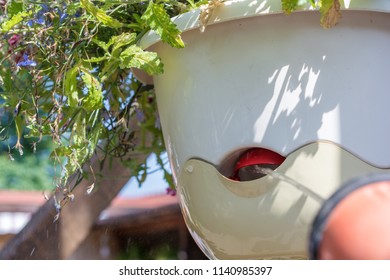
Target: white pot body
x=318 y=97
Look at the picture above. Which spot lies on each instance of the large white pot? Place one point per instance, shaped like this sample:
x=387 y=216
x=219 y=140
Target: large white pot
x=259 y=78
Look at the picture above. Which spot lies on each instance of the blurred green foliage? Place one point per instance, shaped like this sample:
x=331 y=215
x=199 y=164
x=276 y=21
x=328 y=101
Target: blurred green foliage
x=26 y=173
x=160 y=252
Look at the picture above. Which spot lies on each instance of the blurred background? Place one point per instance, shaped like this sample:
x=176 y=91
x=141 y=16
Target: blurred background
x=140 y=222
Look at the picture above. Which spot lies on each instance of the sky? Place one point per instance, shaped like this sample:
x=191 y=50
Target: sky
x=153 y=185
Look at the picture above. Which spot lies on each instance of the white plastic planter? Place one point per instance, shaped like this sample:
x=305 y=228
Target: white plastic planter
x=259 y=78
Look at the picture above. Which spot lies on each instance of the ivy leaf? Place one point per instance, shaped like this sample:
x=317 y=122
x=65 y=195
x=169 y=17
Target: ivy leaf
x=158 y=20
x=19 y=17
x=330 y=13
x=135 y=57
x=100 y=15
x=94 y=99
x=71 y=91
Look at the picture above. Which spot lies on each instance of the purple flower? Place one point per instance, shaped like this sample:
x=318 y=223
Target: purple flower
x=62 y=12
x=45 y=8
x=14 y=40
x=78 y=14
x=140 y=115
x=40 y=20
x=63 y=16
x=25 y=62
x=40 y=17
x=171 y=191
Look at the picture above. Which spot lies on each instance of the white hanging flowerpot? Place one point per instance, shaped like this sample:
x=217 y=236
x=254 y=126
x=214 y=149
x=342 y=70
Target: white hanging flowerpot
x=314 y=100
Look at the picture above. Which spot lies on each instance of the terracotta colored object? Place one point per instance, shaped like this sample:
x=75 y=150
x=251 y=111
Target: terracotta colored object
x=358 y=225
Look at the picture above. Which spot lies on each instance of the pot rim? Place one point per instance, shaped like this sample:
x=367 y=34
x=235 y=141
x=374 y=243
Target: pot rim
x=236 y=9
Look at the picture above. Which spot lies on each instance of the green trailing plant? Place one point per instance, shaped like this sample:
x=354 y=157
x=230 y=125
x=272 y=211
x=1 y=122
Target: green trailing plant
x=66 y=72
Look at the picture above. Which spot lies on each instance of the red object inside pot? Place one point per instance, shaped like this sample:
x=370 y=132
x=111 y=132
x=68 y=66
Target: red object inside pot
x=250 y=163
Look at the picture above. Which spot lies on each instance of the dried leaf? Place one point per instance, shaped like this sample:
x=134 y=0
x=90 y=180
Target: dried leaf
x=207 y=11
x=90 y=188
x=11 y=157
x=330 y=13
x=70 y=196
x=57 y=205
x=45 y=196
x=56 y=217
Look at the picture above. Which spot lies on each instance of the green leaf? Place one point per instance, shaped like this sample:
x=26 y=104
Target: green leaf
x=158 y=20
x=61 y=151
x=110 y=67
x=73 y=7
x=289 y=6
x=94 y=99
x=76 y=158
x=71 y=90
x=7 y=80
x=135 y=57
x=79 y=131
x=100 y=15
x=94 y=137
x=101 y=44
x=14 y=7
x=330 y=12
x=117 y=42
x=19 y=17
x=82 y=144
x=122 y=40
x=96 y=59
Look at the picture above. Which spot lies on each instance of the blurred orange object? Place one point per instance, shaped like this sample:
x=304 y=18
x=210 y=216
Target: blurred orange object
x=358 y=226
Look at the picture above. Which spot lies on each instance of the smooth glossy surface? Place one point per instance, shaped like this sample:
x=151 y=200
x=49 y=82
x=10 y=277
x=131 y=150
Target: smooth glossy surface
x=233 y=10
x=278 y=82
x=268 y=217
x=359 y=226
x=259 y=78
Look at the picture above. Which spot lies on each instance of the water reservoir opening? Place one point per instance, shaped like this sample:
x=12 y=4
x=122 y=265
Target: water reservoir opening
x=251 y=163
